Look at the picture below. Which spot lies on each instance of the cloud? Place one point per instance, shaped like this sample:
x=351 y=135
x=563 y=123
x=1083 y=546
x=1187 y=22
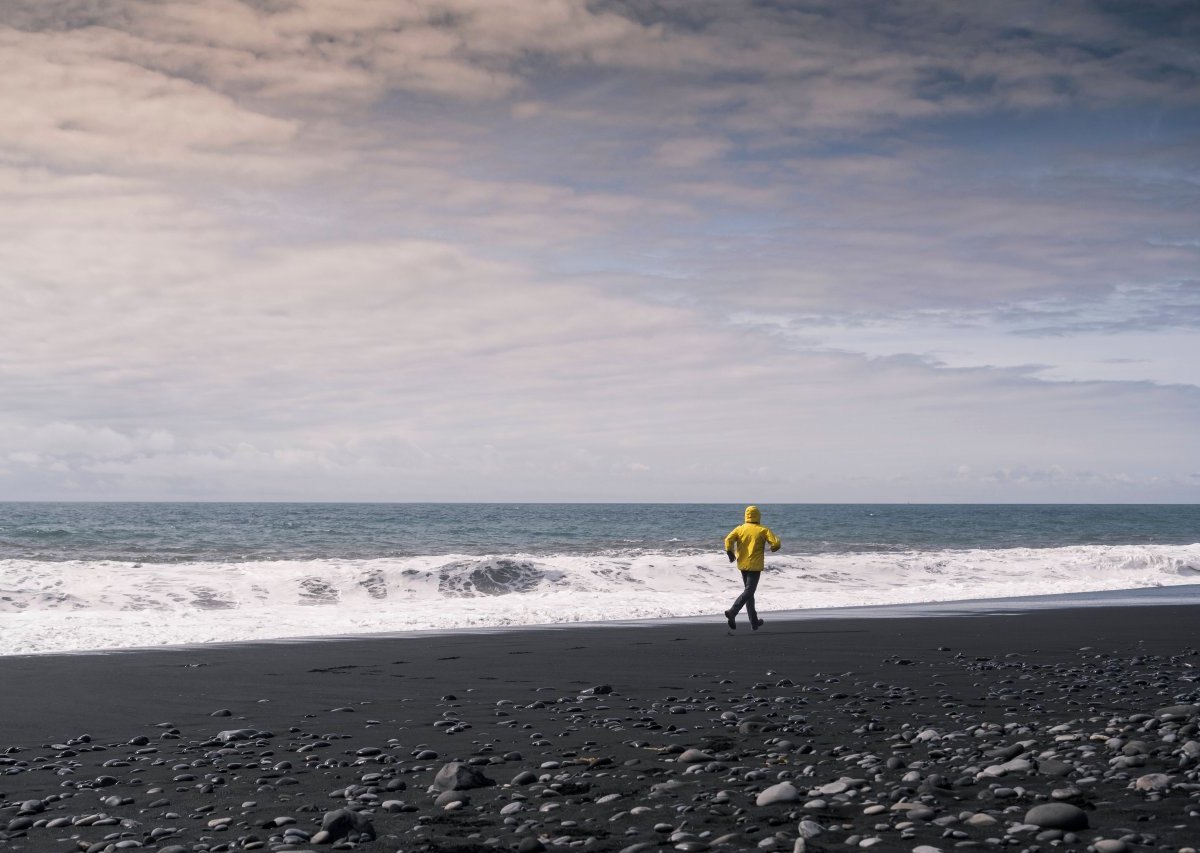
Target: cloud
x=230 y=67
x=76 y=440
x=69 y=102
x=780 y=70
x=688 y=153
x=345 y=48
x=448 y=248
x=415 y=369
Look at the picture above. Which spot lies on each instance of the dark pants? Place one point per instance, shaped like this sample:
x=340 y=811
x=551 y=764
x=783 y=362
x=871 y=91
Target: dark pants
x=750 y=582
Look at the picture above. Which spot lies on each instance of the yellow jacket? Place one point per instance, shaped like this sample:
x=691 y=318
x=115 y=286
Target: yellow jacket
x=751 y=540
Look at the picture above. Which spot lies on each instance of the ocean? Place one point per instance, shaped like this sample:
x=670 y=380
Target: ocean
x=92 y=576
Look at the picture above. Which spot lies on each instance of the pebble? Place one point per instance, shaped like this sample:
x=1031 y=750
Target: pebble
x=809 y=828
x=1153 y=782
x=1057 y=816
x=457 y=776
x=784 y=792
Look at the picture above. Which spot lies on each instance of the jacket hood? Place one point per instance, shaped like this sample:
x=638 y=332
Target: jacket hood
x=753 y=515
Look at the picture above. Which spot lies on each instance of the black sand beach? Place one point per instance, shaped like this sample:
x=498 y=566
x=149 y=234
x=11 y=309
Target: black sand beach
x=1073 y=729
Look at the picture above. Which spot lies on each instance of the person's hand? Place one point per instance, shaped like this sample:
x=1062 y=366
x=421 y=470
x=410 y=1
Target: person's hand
x=729 y=554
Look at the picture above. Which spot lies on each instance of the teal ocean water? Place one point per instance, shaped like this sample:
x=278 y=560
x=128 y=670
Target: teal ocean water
x=77 y=576
x=182 y=532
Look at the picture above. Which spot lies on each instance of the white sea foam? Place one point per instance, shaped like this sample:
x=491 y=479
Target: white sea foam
x=74 y=606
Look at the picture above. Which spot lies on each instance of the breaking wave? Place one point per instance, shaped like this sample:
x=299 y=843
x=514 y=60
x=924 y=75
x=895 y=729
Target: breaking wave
x=84 y=605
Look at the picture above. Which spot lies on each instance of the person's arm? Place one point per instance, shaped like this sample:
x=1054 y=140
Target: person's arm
x=729 y=543
x=774 y=540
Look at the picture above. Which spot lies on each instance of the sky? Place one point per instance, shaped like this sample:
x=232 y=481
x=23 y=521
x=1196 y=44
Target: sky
x=638 y=250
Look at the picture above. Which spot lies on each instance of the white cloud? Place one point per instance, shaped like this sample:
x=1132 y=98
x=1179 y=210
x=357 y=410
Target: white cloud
x=68 y=101
x=690 y=152
x=416 y=370
x=499 y=249
x=64 y=440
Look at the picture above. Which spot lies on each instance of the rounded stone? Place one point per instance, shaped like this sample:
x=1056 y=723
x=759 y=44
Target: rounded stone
x=1153 y=782
x=457 y=776
x=810 y=829
x=784 y=792
x=1057 y=816
x=1053 y=767
x=447 y=797
x=1177 y=712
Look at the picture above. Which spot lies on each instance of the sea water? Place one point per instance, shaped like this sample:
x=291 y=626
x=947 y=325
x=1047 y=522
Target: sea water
x=87 y=576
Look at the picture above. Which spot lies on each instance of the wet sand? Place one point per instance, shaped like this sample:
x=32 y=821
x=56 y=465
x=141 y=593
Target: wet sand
x=1069 y=729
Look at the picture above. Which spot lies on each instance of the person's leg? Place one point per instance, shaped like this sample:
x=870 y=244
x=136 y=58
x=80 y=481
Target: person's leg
x=751 y=579
x=749 y=582
x=733 y=611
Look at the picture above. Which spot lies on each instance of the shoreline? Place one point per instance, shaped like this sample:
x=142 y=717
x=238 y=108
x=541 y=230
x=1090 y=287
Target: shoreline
x=915 y=731
x=1175 y=595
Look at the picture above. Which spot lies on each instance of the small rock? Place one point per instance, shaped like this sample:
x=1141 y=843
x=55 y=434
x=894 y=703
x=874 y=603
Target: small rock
x=1053 y=767
x=1057 y=816
x=1153 y=782
x=236 y=734
x=784 y=792
x=447 y=797
x=338 y=824
x=457 y=776
x=1177 y=712
x=810 y=829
